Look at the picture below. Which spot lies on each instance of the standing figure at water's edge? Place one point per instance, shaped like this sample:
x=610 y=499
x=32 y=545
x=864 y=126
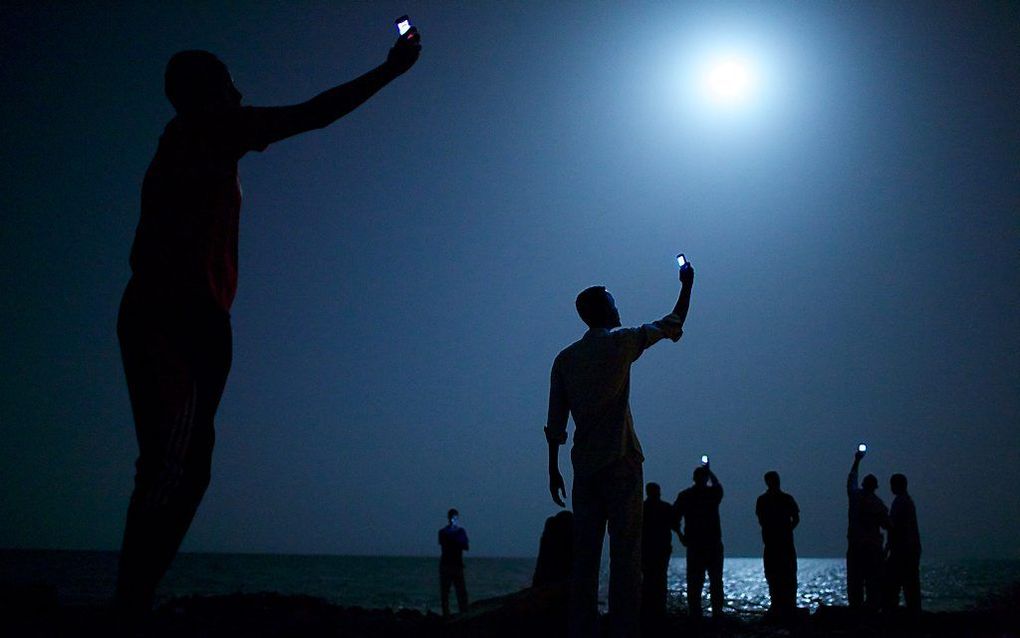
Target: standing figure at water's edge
x=590 y=381
x=453 y=541
x=778 y=516
x=903 y=565
x=866 y=516
x=174 y=323
x=697 y=508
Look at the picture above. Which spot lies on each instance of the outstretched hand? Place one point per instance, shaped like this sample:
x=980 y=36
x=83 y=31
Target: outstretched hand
x=557 y=488
x=858 y=455
x=687 y=274
x=405 y=51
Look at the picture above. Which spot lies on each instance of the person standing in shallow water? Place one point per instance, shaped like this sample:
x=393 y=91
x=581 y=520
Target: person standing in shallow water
x=656 y=546
x=778 y=516
x=174 y=321
x=903 y=567
x=698 y=508
x=867 y=514
x=590 y=381
x=454 y=542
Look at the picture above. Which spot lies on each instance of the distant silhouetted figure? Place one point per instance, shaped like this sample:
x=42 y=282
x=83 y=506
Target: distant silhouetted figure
x=555 y=550
x=591 y=381
x=864 y=554
x=174 y=322
x=903 y=567
x=698 y=508
x=656 y=547
x=778 y=516
x=454 y=542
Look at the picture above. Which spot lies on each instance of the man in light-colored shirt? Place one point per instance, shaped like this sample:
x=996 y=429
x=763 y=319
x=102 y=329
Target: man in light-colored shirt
x=591 y=382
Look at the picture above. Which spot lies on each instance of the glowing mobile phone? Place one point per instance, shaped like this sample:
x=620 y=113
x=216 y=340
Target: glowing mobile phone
x=704 y=459
x=403 y=25
x=862 y=448
x=681 y=260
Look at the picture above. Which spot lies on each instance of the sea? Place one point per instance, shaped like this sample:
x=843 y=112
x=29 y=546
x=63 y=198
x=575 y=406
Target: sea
x=398 y=582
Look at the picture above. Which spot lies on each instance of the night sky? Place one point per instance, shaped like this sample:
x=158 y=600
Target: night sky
x=408 y=274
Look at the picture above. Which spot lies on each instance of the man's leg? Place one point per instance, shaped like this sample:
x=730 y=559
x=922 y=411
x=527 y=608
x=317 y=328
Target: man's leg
x=892 y=584
x=715 y=582
x=653 y=587
x=791 y=580
x=772 y=578
x=445 y=580
x=175 y=382
x=874 y=578
x=695 y=581
x=912 y=584
x=461 y=587
x=625 y=512
x=854 y=578
x=589 y=534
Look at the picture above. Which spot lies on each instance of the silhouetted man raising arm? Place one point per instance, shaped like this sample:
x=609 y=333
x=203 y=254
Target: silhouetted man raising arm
x=174 y=323
x=698 y=508
x=866 y=515
x=590 y=381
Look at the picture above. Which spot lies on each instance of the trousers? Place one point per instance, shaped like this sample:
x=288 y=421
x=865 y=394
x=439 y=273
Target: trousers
x=176 y=359
x=611 y=496
x=699 y=561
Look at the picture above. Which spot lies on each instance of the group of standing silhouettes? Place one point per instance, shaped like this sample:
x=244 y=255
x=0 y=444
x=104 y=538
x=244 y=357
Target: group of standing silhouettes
x=590 y=382
x=694 y=517
x=876 y=574
x=175 y=335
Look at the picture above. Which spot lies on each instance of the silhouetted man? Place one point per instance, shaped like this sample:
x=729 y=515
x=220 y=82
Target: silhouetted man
x=698 y=508
x=864 y=554
x=903 y=567
x=174 y=323
x=656 y=547
x=454 y=542
x=591 y=381
x=778 y=516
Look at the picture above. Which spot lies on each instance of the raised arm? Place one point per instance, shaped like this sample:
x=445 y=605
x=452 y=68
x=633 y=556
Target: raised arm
x=851 y=479
x=278 y=123
x=716 y=486
x=683 y=302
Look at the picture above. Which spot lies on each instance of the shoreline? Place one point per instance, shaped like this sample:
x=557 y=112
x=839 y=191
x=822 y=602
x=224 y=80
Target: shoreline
x=532 y=613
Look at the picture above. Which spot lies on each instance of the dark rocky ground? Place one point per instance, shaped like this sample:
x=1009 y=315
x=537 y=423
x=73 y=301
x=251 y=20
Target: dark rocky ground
x=536 y=613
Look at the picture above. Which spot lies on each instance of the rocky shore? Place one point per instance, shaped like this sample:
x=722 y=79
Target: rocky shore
x=531 y=613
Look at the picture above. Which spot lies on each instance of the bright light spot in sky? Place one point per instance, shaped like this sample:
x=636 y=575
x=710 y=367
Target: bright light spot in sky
x=728 y=80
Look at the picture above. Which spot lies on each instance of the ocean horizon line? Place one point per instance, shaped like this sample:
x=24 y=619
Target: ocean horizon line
x=675 y=554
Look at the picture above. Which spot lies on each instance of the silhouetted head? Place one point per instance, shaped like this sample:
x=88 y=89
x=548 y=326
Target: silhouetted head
x=653 y=491
x=772 y=480
x=701 y=475
x=898 y=484
x=870 y=483
x=451 y=514
x=597 y=308
x=197 y=81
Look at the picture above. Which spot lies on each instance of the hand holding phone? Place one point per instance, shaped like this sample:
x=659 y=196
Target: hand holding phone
x=686 y=270
x=406 y=30
x=405 y=52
